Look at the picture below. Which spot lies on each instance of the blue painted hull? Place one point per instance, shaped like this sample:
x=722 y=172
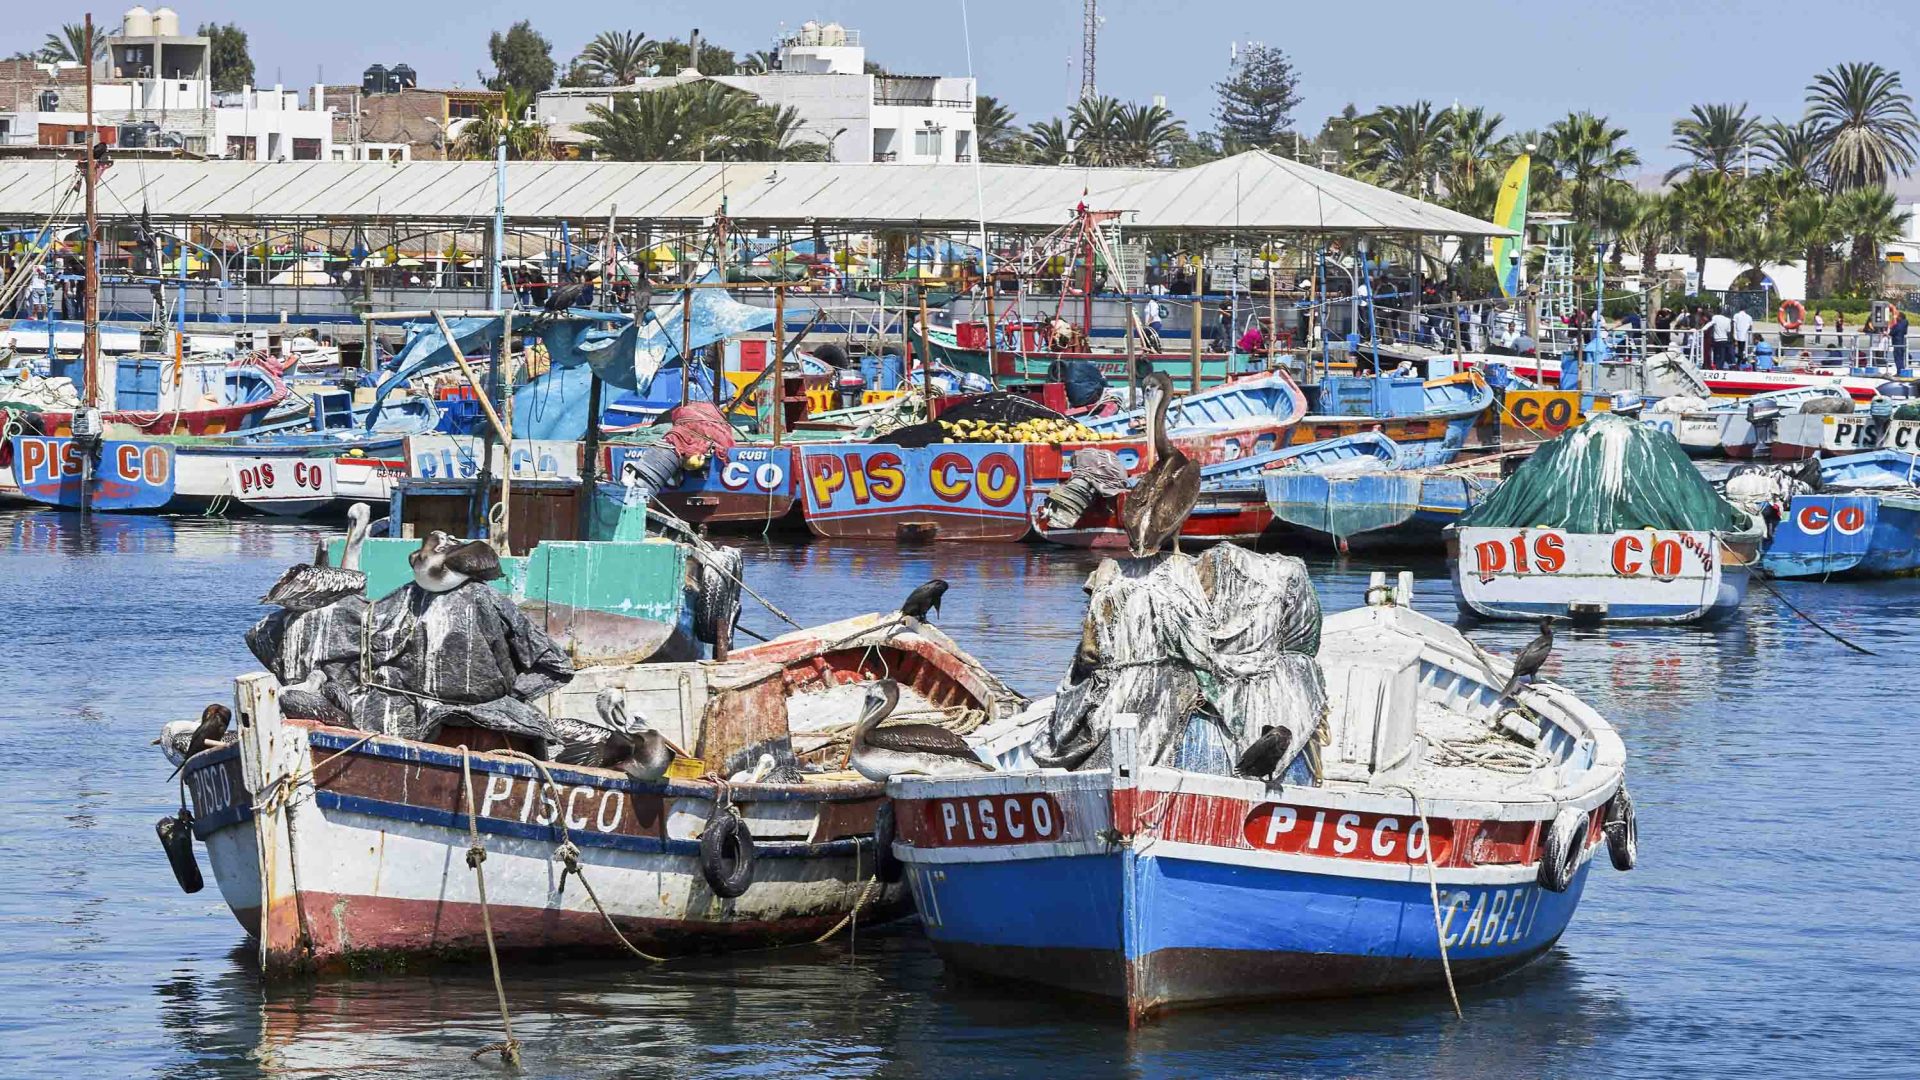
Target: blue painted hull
x=1373 y=510
x=1846 y=536
x=1160 y=932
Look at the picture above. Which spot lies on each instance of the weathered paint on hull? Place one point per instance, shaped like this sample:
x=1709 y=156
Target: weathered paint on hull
x=1237 y=517
x=1845 y=536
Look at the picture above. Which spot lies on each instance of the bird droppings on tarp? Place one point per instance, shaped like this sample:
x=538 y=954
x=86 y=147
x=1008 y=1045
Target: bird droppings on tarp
x=1205 y=652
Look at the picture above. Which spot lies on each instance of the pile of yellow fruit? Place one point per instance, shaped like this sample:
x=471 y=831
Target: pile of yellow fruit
x=1037 y=430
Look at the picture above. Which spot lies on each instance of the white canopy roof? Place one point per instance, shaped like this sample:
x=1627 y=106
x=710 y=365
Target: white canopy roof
x=1254 y=193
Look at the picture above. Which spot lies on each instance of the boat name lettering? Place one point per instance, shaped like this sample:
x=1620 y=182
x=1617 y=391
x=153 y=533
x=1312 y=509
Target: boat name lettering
x=305 y=476
x=1661 y=556
x=1549 y=555
x=212 y=788
x=1902 y=435
x=1298 y=830
x=862 y=477
x=1480 y=918
x=1023 y=818
x=741 y=469
x=1846 y=519
x=534 y=802
x=1549 y=411
x=50 y=460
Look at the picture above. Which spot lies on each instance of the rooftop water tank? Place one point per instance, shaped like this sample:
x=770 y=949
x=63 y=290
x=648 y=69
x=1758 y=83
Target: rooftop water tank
x=402 y=77
x=374 y=79
x=139 y=22
x=833 y=34
x=166 y=22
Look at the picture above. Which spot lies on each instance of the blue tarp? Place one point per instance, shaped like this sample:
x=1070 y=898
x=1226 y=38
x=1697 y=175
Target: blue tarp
x=717 y=316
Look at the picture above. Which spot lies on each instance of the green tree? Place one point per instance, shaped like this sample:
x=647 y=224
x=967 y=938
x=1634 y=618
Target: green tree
x=71 y=43
x=714 y=60
x=1049 y=142
x=1655 y=224
x=1868 y=131
x=1714 y=138
x=522 y=59
x=1257 y=98
x=1706 y=206
x=526 y=139
x=1809 y=223
x=697 y=121
x=1870 y=218
x=1589 y=154
x=996 y=130
x=1792 y=147
x=759 y=62
x=227 y=56
x=1404 y=147
x=1094 y=123
x=1338 y=137
x=615 y=58
x=1147 y=135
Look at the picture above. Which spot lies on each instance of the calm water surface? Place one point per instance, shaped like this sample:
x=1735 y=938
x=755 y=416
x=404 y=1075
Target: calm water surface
x=1769 y=931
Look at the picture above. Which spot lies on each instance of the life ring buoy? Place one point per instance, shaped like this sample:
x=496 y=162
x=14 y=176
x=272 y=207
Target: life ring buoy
x=885 y=866
x=1560 y=854
x=1798 y=314
x=726 y=854
x=1623 y=832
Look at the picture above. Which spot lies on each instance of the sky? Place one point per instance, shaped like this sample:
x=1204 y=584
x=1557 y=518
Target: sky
x=1640 y=62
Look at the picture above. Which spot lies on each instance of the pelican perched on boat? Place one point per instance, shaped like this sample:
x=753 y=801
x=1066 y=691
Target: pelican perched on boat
x=631 y=745
x=181 y=739
x=906 y=749
x=312 y=586
x=1159 y=502
x=443 y=564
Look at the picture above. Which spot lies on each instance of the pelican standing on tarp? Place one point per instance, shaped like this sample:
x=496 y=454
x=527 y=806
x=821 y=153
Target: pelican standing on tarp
x=443 y=564
x=1160 y=501
x=906 y=749
x=315 y=585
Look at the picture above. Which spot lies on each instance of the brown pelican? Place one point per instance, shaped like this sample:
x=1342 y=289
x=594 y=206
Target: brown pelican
x=181 y=739
x=1160 y=501
x=1263 y=757
x=311 y=586
x=1527 y=664
x=924 y=600
x=443 y=564
x=906 y=749
x=631 y=746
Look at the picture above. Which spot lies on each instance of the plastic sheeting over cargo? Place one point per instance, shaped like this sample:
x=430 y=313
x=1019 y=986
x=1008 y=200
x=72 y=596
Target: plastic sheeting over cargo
x=717 y=316
x=1609 y=474
x=1205 y=652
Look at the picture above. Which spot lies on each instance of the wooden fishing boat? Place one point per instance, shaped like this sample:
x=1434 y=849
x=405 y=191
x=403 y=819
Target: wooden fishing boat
x=1024 y=356
x=1754 y=427
x=1394 y=508
x=155 y=396
x=1233 y=505
x=333 y=846
x=749 y=487
x=1385 y=864
x=1732 y=384
x=1430 y=421
x=1863 y=523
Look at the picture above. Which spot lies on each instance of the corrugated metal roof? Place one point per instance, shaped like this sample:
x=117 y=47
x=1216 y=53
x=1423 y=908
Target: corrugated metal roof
x=1251 y=192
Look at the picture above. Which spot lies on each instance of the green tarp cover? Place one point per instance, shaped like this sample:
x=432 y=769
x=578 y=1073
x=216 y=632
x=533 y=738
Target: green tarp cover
x=1610 y=474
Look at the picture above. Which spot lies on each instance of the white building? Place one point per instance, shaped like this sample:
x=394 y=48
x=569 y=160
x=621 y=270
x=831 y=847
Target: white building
x=822 y=76
x=154 y=88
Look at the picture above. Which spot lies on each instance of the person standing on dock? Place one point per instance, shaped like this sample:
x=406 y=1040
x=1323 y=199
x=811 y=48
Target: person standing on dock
x=1819 y=327
x=1742 y=335
x=1722 y=340
x=1897 y=337
x=1153 y=317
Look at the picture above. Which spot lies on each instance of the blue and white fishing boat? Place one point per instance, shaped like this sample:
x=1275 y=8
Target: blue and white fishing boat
x=1383 y=859
x=1864 y=521
x=1429 y=420
x=1710 y=427
x=1389 y=508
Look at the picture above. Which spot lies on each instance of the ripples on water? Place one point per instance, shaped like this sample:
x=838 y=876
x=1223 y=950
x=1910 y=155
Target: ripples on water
x=1768 y=931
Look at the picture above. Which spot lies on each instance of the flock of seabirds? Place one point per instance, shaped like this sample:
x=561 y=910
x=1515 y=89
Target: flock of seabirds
x=1156 y=508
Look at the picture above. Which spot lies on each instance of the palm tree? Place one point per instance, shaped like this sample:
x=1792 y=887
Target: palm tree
x=1755 y=245
x=71 y=43
x=1654 y=225
x=702 y=121
x=617 y=57
x=1404 y=146
x=1049 y=142
x=1146 y=135
x=1868 y=131
x=1705 y=206
x=1808 y=221
x=995 y=130
x=526 y=138
x=1471 y=142
x=1590 y=154
x=759 y=62
x=1713 y=138
x=1870 y=218
x=1792 y=147
x=1095 y=124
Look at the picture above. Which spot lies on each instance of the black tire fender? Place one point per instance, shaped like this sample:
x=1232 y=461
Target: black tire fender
x=726 y=854
x=176 y=839
x=1623 y=831
x=1560 y=851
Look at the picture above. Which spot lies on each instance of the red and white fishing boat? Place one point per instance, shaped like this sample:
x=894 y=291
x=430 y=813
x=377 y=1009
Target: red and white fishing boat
x=1739 y=384
x=337 y=849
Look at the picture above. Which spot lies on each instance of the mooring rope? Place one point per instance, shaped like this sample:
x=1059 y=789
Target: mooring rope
x=476 y=857
x=1433 y=892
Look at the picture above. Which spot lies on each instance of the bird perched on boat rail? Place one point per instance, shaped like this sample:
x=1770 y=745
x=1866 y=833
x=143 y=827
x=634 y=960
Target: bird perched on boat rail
x=906 y=749
x=1526 y=664
x=1259 y=760
x=311 y=586
x=1159 y=502
x=181 y=739
x=565 y=296
x=924 y=600
x=443 y=564
x=631 y=745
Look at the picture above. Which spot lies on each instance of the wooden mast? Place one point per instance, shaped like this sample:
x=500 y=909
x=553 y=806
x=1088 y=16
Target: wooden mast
x=90 y=339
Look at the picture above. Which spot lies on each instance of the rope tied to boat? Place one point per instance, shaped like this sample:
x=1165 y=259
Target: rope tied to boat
x=1433 y=892
x=281 y=790
x=508 y=1050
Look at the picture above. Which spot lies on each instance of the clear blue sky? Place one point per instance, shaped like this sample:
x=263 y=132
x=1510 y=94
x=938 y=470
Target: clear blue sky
x=1642 y=62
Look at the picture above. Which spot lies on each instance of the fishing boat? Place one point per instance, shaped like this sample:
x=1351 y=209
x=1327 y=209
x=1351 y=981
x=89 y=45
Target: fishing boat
x=333 y=846
x=1429 y=420
x=1728 y=384
x=1381 y=861
x=1863 y=522
x=1023 y=354
x=1608 y=523
x=1233 y=505
x=154 y=395
x=1390 y=508
x=1775 y=425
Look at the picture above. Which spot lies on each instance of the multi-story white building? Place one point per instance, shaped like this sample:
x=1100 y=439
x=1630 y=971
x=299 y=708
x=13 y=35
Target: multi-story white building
x=154 y=88
x=822 y=76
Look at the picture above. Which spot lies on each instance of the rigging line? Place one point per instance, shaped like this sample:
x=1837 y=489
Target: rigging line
x=979 y=187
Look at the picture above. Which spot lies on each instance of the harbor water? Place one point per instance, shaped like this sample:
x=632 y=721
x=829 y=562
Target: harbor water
x=1769 y=930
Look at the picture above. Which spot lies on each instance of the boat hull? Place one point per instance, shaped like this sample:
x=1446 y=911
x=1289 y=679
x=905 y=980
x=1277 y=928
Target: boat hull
x=1238 y=516
x=1845 y=536
x=1372 y=511
x=1642 y=576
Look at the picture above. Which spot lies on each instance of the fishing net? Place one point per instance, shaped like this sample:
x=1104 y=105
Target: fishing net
x=1609 y=474
x=997 y=408
x=1203 y=651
